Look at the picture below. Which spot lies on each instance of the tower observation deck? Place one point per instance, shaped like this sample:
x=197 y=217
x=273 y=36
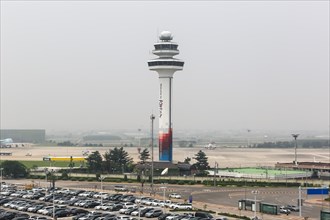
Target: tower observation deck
x=165 y=65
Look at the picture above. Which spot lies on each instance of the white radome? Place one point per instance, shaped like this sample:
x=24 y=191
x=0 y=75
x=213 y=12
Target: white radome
x=166 y=35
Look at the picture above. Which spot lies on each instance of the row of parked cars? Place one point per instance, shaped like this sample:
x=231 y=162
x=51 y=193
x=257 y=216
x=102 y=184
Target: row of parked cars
x=78 y=203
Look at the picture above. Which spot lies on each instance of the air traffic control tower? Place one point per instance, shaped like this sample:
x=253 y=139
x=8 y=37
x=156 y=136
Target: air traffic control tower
x=166 y=66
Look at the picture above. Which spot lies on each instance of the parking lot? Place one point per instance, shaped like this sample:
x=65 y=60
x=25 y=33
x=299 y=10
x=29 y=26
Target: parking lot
x=39 y=203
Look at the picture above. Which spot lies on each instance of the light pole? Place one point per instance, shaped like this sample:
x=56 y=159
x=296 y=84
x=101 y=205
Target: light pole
x=164 y=189
x=152 y=117
x=248 y=139
x=53 y=195
x=101 y=178
x=139 y=209
x=295 y=136
x=139 y=130
x=1 y=169
x=255 y=192
x=215 y=171
x=53 y=205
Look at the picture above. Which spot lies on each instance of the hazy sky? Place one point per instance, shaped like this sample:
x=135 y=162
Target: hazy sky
x=82 y=65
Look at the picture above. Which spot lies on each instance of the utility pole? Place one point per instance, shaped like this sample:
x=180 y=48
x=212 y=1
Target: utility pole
x=299 y=198
x=255 y=192
x=295 y=136
x=152 y=117
x=164 y=189
x=101 y=178
x=215 y=172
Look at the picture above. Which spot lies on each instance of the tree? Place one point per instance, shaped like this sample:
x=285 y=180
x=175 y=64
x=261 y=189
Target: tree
x=117 y=159
x=94 y=162
x=202 y=163
x=14 y=169
x=144 y=155
x=187 y=160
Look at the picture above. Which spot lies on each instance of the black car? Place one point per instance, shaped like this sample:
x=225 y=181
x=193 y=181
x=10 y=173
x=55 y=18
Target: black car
x=21 y=218
x=7 y=215
x=77 y=211
x=144 y=211
x=76 y=217
x=115 y=197
x=116 y=207
x=163 y=216
x=3 y=201
x=62 y=213
x=205 y=215
x=92 y=204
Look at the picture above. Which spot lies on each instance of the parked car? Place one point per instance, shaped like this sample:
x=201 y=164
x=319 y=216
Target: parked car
x=121 y=189
x=204 y=215
x=163 y=216
x=292 y=208
x=175 y=195
x=62 y=213
x=154 y=213
x=183 y=206
x=285 y=210
x=144 y=211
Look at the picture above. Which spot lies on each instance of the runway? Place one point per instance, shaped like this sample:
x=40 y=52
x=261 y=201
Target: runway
x=225 y=157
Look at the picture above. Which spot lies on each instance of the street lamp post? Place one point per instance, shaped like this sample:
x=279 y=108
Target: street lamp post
x=139 y=137
x=139 y=208
x=46 y=173
x=255 y=192
x=1 y=169
x=164 y=189
x=215 y=172
x=101 y=178
x=53 y=205
x=152 y=117
x=295 y=136
x=53 y=195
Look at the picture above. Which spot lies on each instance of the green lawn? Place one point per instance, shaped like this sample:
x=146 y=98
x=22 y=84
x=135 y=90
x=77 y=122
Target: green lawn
x=39 y=163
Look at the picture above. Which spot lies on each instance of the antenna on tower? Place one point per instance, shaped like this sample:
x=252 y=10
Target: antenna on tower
x=157 y=35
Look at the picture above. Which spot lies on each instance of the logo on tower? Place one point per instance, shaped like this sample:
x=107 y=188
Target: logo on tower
x=160 y=108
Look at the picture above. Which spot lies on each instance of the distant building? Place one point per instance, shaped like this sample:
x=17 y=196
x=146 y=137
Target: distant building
x=319 y=169
x=24 y=135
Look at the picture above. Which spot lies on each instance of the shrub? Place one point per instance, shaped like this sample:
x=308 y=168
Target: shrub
x=181 y=182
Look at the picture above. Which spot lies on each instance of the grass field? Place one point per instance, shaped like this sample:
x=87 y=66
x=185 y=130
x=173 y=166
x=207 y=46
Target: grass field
x=39 y=163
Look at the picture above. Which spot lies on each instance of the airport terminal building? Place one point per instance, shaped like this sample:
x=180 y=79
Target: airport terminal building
x=24 y=135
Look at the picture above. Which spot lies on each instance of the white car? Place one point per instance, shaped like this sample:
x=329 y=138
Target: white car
x=175 y=195
x=183 y=206
x=122 y=217
x=173 y=216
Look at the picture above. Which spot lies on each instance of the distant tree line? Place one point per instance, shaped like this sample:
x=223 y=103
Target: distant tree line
x=93 y=145
x=66 y=143
x=290 y=144
x=101 y=138
x=186 y=143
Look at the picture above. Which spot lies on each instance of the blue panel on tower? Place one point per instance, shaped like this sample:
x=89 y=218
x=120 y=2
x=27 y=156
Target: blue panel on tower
x=318 y=191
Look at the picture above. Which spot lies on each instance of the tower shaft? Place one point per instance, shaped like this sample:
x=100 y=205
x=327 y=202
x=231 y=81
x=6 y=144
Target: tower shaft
x=165 y=118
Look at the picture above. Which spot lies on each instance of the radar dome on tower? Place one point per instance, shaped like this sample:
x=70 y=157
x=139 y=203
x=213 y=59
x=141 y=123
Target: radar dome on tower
x=166 y=35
